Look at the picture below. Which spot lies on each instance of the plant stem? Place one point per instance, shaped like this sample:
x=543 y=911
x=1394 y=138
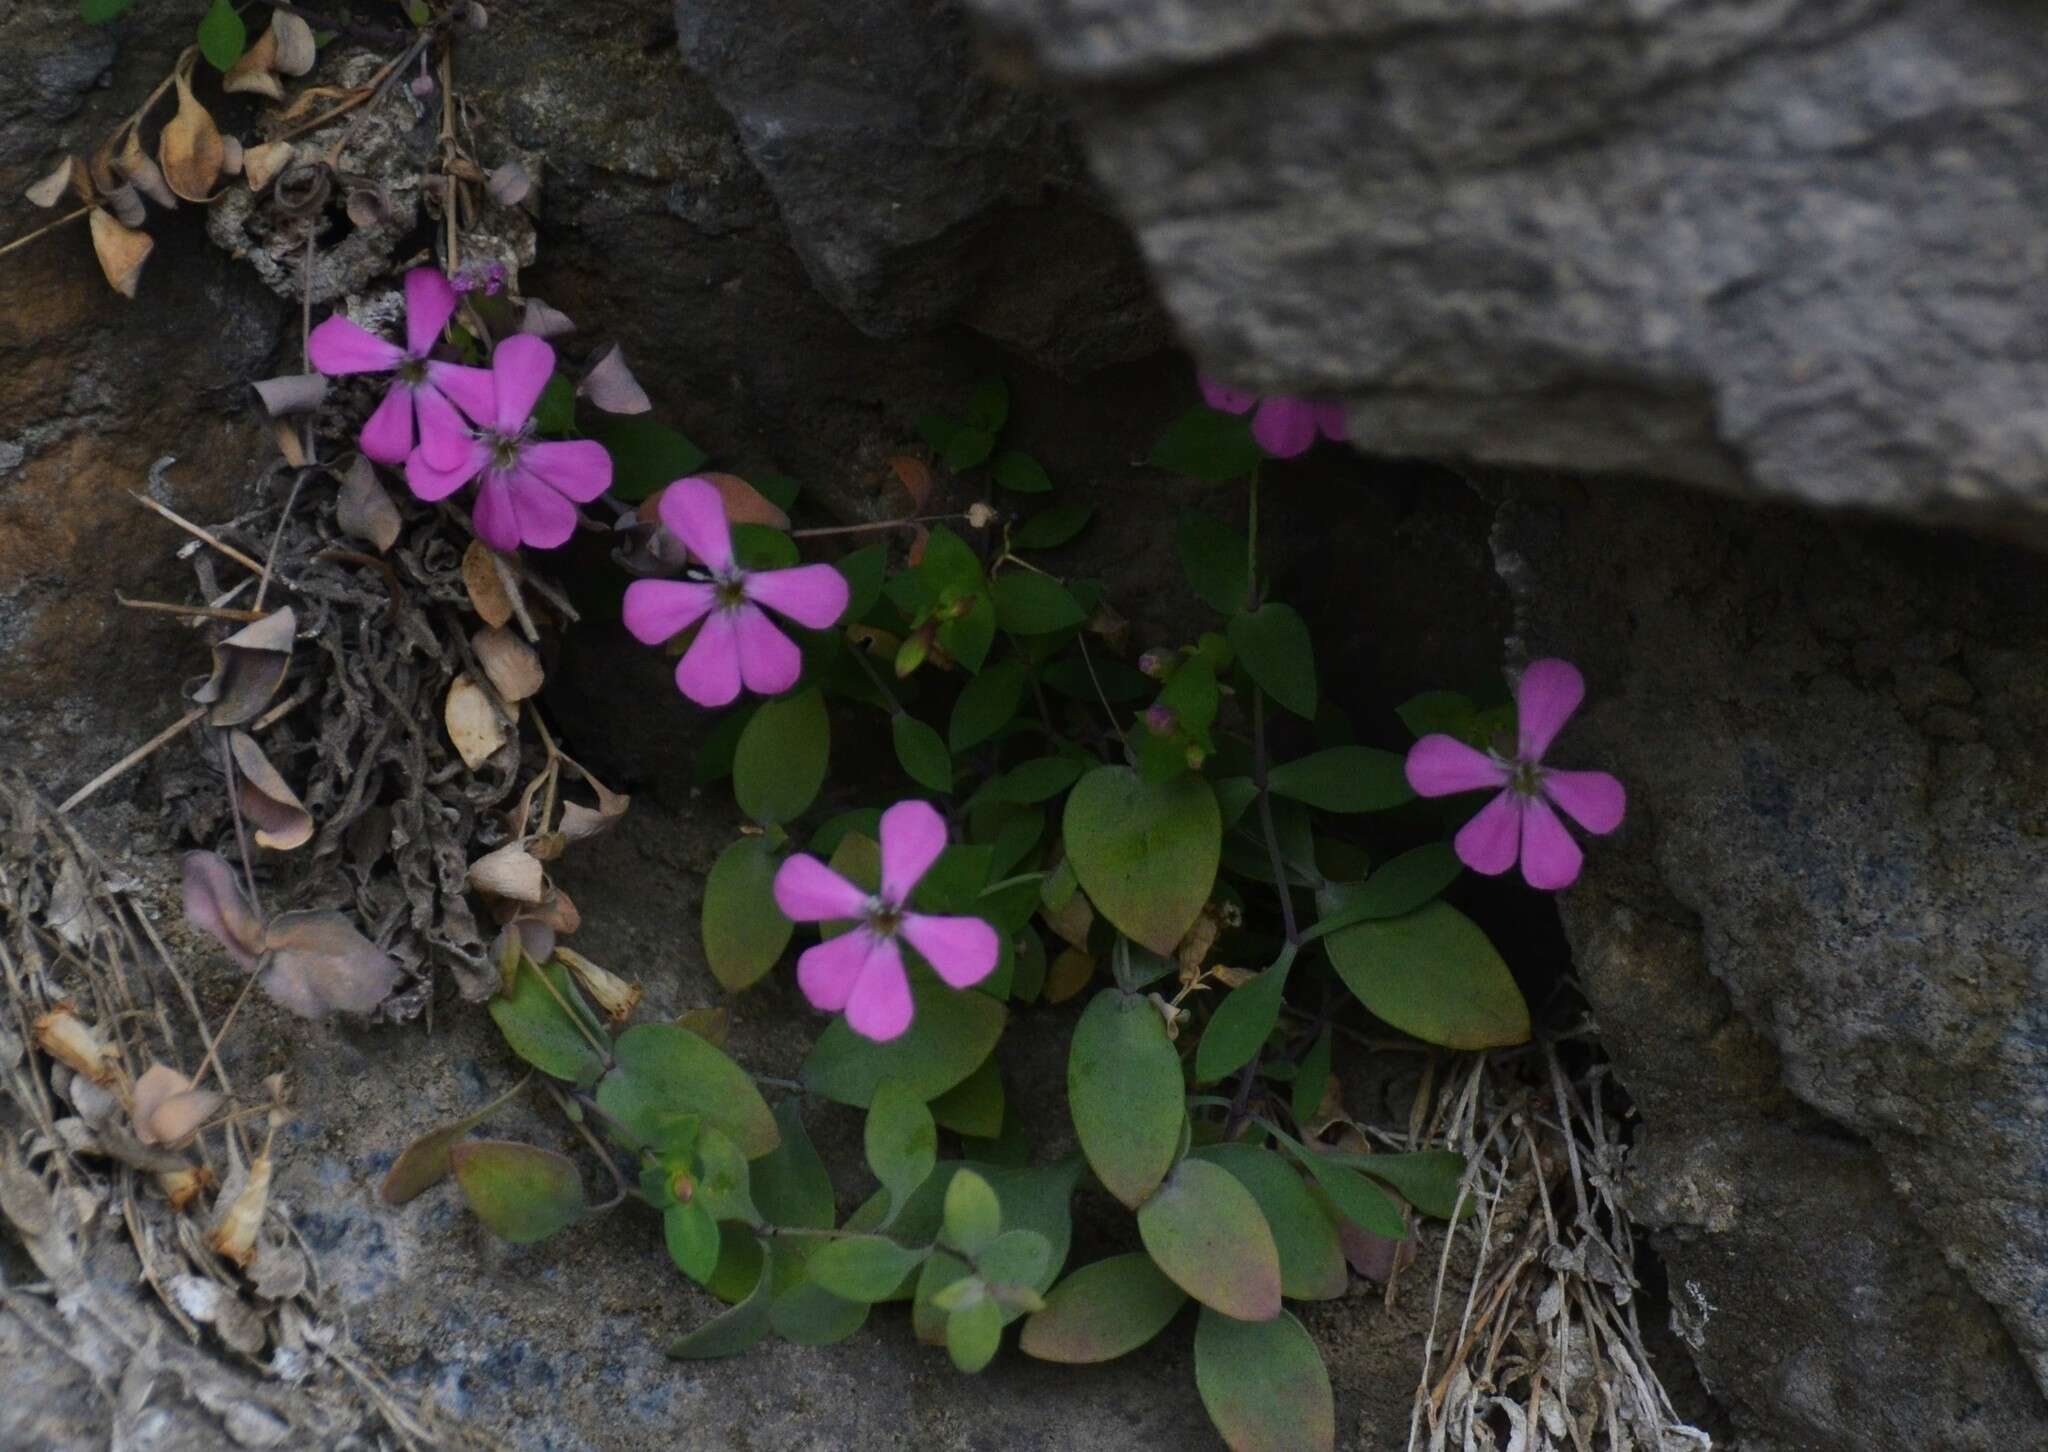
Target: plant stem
x=860 y=658
x=880 y=524
x=27 y=237
x=1279 y=866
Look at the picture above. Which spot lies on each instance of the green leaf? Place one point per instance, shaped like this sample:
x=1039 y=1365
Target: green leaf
x=973 y=1335
x=780 y=762
x=1124 y=1089
x=922 y=752
x=735 y=1330
x=968 y=447
x=1211 y=446
x=744 y=931
x=1032 y=604
x=1102 y=1311
x=646 y=456
x=1447 y=712
x=757 y=547
x=521 y=1192
x=1037 y=780
x=664 y=1072
x=865 y=570
x=1345 y=779
x=536 y=1028
x=1241 y=1024
x=1272 y=644
x=864 y=1267
x=1217 y=560
x=692 y=1237
x=1426 y=1179
x=805 y=1312
x=1020 y=472
x=740 y=1258
x=1264 y=1385
x=1354 y=1197
x=1204 y=1230
x=1051 y=528
x=714 y=755
x=936 y=430
x=99 y=12
x=1146 y=852
x=948 y=1038
x=974 y=1106
x=1433 y=974
x=791 y=1185
x=1311 y=1255
x=989 y=408
x=554 y=414
x=968 y=638
x=901 y=1139
x=723 y=1187
x=423 y=1164
x=987 y=703
x=1312 y=1076
x=1398 y=888
x=222 y=36
x=1015 y=1258
x=973 y=1215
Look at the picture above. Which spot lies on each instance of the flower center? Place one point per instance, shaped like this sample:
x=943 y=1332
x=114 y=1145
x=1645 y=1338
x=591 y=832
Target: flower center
x=504 y=448
x=412 y=370
x=1525 y=778
x=730 y=591
x=883 y=918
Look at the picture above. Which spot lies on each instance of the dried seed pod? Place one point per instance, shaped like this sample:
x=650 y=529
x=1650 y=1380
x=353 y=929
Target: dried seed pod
x=512 y=665
x=473 y=725
x=296 y=49
x=261 y=164
x=121 y=250
x=126 y=205
x=142 y=173
x=71 y=1041
x=189 y=150
x=607 y=990
x=256 y=72
x=231 y=156
x=509 y=872
x=48 y=191
x=364 y=509
x=182 y=1187
x=234 y=1234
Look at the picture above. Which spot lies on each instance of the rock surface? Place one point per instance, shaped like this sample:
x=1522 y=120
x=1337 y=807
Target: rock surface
x=1817 y=950
x=1789 y=248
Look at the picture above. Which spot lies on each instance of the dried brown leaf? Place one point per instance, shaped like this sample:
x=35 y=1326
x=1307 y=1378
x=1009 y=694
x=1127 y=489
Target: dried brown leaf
x=296 y=50
x=281 y=819
x=49 y=190
x=915 y=475
x=512 y=665
x=214 y=904
x=234 y=1233
x=473 y=723
x=73 y=1042
x=121 y=251
x=189 y=150
x=364 y=509
x=247 y=668
x=543 y=321
x=256 y=72
x=168 y=1110
x=319 y=964
x=616 y=997
x=509 y=872
x=611 y=386
x=291 y=393
x=261 y=164
x=231 y=155
x=142 y=173
x=126 y=205
x=508 y=184
x=486 y=590
x=744 y=504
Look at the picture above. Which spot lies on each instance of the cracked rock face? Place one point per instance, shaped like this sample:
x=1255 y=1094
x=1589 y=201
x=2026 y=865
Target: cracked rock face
x=1787 y=248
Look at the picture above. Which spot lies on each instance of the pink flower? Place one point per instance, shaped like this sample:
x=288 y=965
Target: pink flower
x=424 y=390
x=739 y=643
x=527 y=486
x=1520 y=821
x=1283 y=427
x=861 y=971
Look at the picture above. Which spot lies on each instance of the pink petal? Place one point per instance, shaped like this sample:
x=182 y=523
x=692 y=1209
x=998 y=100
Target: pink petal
x=495 y=516
x=1550 y=858
x=520 y=369
x=880 y=1008
x=444 y=434
x=387 y=434
x=429 y=304
x=769 y=660
x=1489 y=841
x=1593 y=799
x=470 y=389
x=659 y=610
x=1549 y=691
x=811 y=595
x=709 y=672
x=1223 y=396
x=429 y=483
x=1284 y=427
x=829 y=972
x=963 y=951
x=1439 y=765
x=695 y=514
x=1330 y=421
x=579 y=468
x=913 y=836
x=808 y=891
x=341 y=346
x=546 y=519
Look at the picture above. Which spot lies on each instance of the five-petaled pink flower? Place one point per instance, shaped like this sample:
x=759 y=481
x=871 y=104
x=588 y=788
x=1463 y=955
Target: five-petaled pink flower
x=1283 y=427
x=861 y=970
x=425 y=390
x=527 y=487
x=1520 y=821
x=738 y=643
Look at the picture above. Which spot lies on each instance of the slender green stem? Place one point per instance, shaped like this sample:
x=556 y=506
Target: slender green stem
x=860 y=657
x=1281 y=884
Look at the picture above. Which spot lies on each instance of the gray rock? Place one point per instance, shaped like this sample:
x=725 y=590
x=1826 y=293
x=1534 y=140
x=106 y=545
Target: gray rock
x=1817 y=948
x=1787 y=248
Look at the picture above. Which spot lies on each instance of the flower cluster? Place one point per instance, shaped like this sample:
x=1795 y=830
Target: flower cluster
x=1283 y=427
x=448 y=424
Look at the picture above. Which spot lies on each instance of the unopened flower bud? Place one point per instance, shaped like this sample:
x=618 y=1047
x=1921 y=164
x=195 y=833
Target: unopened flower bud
x=682 y=1187
x=613 y=994
x=1157 y=664
x=234 y=1235
x=1161 y=719
x=912 y=653
x=981 y=516
x=182 y=1187
x=70 y=1040
x=963 y=607
x=1195 y=757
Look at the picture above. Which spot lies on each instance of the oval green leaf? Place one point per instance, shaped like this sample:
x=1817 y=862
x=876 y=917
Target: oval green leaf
x=1050 y=528
x=1434 y=974
x=1311 y=1255
x=901 y=1139
x=1272 y=644
x=737 y=1329
x=1264 y=1385
x=780 y=761
x=538 y=1029
x=1124 y=1088
x=1019 y=471
x=863 y=1267
x=973 y=1334
x=693 y=1240
x=972 y=1216
x=521 y=1192
x=1345 y=779
x=1146 y=852
x=664 y=1073
x=1204 y=1230
x=804 y=1311
x=1102 y=1311
x=950 y=1035
x=744 y=931
x=1028 y=603
x=791 y=1185
x=986 y=704
x=1240 y=1025
x=1217 y=560
x=922 y=752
